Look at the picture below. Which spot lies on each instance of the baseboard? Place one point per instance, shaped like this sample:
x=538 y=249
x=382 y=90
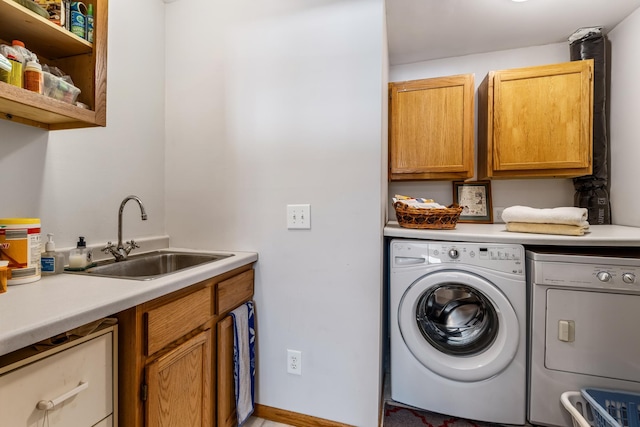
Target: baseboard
x=293 y=418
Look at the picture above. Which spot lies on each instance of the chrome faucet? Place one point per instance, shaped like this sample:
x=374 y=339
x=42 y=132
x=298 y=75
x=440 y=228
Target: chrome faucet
x=121 y=252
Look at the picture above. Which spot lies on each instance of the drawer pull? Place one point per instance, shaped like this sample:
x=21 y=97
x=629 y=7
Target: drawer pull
x=46 y=405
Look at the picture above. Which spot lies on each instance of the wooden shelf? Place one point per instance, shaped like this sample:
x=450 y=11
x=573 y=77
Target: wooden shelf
x=39 y=34
x=33 y=109
x=83 y=61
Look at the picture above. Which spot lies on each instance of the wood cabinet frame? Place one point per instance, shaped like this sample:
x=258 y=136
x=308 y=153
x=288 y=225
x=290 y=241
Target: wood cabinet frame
x=186 y=322
x=85 y=62
x=431 y=128
x=536 y=122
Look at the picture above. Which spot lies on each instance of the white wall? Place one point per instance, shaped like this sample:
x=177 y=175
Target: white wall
x=273 y=103
x=624 y=146
x=541 y=193
x=75 y=180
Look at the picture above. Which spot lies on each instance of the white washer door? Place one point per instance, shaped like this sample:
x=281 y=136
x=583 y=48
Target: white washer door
x=459 y=325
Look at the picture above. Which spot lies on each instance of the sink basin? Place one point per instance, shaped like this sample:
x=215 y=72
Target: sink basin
x=151 y=265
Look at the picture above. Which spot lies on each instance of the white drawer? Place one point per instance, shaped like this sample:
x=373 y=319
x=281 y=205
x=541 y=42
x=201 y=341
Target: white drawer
x=90 y=362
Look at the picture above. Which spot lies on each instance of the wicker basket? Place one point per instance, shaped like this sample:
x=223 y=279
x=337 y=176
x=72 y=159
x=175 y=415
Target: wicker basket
x=439 y=219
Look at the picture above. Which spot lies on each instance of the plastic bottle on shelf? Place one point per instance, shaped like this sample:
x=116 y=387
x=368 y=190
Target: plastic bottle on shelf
x=23 y=53
x=52 y=262
x=33 y=77
x=89 y=31
x=16 y=61
x=27 y=55
x=5 y=69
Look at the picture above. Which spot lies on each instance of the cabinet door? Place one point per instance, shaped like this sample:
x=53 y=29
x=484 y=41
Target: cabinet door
x=538 y=121
x=179 y=385
x=431 y=128
x=226 y=403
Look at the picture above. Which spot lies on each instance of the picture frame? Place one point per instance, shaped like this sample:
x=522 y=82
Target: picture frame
x=475 y=198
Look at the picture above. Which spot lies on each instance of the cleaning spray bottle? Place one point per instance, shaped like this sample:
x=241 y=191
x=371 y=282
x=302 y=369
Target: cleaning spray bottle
x=51 y=262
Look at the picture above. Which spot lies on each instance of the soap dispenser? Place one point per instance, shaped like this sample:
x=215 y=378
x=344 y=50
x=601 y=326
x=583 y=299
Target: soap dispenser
x=79 y=257
x=51 y=262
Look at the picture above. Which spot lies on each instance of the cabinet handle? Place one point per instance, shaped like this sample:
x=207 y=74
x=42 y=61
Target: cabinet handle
x=46 y=405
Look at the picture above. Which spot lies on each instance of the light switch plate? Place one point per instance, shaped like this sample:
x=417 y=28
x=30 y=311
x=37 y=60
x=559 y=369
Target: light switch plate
x=299 y=217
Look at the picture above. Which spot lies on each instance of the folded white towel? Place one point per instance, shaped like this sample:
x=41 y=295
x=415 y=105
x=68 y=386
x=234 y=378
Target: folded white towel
x=562 y=215
x=529 y=227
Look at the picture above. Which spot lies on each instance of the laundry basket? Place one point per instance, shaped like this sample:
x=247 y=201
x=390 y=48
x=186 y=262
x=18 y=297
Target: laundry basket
x=602 y=408
x=577 y=406
x=613 y=408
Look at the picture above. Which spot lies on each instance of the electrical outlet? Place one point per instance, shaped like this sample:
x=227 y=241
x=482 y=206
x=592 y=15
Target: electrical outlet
x=497 y=215
x=294 y=362
x=299 y=217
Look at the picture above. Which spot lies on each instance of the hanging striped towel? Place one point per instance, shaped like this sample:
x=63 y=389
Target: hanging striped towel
x=244 y=340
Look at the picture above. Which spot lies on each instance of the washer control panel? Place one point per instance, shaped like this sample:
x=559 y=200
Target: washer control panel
x=507 y=258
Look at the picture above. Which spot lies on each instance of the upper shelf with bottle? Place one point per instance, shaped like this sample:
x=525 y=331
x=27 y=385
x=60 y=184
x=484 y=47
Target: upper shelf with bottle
x=56 y=46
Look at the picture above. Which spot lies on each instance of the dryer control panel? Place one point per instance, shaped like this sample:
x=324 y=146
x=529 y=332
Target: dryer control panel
x=588 y=272
x=591 y=276
x=508 y=258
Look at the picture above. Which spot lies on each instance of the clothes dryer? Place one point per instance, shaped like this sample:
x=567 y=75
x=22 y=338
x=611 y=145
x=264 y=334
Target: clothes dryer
x=584 y=325
x=458 y=328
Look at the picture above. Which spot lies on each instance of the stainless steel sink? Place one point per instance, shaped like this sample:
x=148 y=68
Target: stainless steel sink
x=151 y=265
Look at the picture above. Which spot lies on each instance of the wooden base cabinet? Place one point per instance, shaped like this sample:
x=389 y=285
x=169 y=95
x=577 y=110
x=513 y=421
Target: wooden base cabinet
x=179 y=385
x=174 y=355
x=536 y=122
x=431 y=124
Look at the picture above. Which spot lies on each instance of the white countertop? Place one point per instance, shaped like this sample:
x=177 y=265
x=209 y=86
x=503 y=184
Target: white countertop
x=54 y=304
x=599 y=235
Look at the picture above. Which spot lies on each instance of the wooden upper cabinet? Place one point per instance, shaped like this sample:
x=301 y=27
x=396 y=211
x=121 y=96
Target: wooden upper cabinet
x=85 y=62
x=536 y=122
x=431 y=128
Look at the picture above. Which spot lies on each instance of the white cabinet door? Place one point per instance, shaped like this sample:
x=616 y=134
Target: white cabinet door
x=77 y=382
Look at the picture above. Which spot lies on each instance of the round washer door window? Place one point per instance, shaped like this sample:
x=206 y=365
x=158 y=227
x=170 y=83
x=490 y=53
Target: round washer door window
x=459 y=325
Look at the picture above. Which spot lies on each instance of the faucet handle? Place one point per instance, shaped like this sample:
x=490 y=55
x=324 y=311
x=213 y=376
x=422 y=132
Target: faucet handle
x=109 y=248
x=132 y=244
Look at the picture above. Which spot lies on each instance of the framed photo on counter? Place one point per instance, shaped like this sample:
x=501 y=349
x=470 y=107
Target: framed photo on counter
x=475 y=198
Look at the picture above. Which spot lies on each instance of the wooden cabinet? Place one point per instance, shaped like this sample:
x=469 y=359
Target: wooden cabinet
x=536 y=122
x=68 y=384
x=85 y=62
x=175 y=351
x=230 y=293
x=179 y=385
x=431 y=124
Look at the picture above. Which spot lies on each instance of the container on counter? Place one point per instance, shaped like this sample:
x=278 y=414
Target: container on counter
x=80 y=257
x=3 y=275
x=52 y=262
x=20 y=245
x=33 y=77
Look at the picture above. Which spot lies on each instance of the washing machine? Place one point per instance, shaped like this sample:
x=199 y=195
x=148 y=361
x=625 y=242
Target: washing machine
x=584 y=325
x=457 y=320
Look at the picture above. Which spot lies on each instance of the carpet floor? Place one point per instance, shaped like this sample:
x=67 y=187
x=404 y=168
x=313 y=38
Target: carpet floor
x=399 y=416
